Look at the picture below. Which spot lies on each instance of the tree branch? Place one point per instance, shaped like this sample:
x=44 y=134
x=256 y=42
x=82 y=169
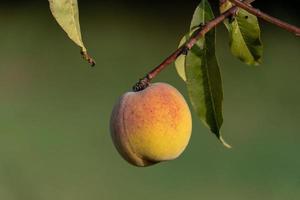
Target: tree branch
x=268 y=18
x=200 y=32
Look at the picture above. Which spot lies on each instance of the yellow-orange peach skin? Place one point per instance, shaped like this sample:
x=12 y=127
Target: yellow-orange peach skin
x=151 y=125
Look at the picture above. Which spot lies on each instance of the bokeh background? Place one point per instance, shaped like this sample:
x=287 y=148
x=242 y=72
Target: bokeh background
x=55 y=109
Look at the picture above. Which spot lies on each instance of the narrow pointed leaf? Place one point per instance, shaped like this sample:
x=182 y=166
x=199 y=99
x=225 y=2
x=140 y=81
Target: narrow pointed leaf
x=203 y=76
x=67 y=15
x=244 y=33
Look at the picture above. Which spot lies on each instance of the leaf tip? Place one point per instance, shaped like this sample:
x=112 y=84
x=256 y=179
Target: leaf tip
x=225 y=143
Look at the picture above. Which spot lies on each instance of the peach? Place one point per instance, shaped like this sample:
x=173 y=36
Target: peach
x=151 y=125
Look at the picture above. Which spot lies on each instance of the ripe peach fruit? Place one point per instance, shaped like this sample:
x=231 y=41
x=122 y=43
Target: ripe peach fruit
x=151 y=125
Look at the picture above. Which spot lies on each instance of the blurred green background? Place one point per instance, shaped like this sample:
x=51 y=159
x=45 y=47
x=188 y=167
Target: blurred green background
x=54 y=109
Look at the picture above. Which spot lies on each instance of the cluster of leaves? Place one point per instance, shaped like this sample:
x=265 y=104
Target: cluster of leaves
x=200 y=68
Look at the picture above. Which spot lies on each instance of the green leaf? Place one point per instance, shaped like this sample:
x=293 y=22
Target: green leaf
x=244 y=32
x=180 y=61
x=203 y=76
x=67 y=15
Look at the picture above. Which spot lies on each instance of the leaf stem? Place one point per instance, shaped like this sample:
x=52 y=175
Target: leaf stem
x=291 y=28
x=200 y=32
x=88 y=58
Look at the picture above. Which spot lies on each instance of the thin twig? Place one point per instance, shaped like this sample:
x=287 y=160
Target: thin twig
x=268 y=18
x=144 y=82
